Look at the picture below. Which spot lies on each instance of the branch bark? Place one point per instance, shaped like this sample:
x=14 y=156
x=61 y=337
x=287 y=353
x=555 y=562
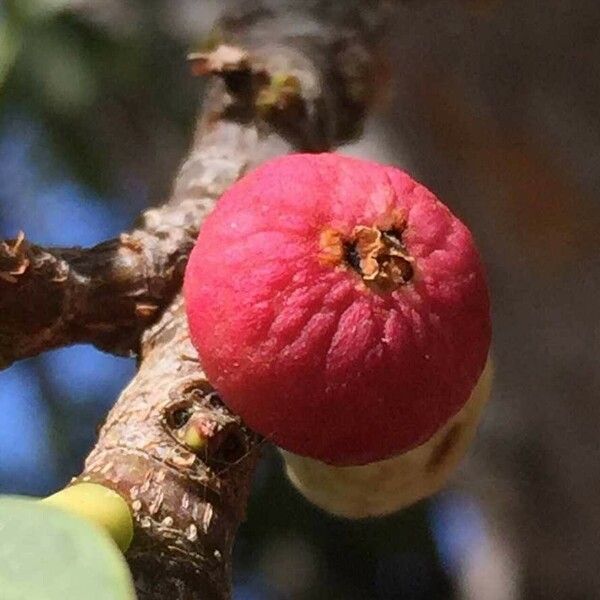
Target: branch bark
x=106 y=295
x=109 y=294
x=300 y=79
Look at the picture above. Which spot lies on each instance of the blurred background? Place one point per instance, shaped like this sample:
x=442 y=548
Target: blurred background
x=493 y=104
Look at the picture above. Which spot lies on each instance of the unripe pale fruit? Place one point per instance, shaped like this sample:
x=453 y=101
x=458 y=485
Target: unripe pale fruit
x=386 y=486
x=339 y=308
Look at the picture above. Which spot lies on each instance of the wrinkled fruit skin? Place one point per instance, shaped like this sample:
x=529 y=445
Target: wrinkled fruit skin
x=338 y=307
x=383 y=487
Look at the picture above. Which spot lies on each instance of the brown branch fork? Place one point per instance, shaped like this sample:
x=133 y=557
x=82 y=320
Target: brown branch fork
x=298 y=78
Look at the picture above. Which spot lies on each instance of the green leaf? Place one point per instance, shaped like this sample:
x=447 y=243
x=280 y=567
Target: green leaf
x=32 y=10
x=58 y=70
x=10 y=44
x=49 y=554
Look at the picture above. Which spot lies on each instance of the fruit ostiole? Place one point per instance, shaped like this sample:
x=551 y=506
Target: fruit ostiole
x=342 y=311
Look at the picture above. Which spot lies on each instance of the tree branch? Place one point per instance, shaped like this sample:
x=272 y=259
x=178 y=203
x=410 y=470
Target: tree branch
x=107 y=295
x=301 y=79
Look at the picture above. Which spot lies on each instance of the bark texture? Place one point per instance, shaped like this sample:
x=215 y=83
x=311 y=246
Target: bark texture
x=294 y=77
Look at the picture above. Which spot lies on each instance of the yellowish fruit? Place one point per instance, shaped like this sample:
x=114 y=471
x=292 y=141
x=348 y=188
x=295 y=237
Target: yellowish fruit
x=386 y=486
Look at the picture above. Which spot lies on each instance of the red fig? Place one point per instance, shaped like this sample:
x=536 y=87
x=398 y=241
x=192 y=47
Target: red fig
x=338 y=307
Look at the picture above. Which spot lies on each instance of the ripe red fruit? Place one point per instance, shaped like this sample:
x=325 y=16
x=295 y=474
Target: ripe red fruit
x=338 y=307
